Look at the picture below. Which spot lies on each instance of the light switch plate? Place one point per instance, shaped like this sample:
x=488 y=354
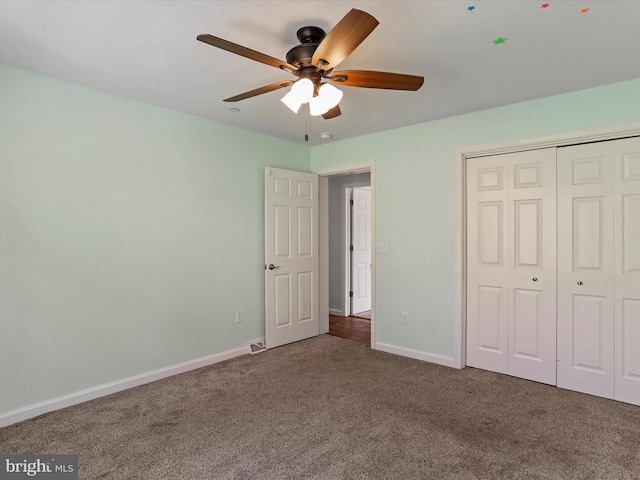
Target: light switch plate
x=382 y=247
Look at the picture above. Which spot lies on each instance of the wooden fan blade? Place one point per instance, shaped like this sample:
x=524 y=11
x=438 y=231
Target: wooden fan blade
x=259 y=91
x=343 y=39
x=245 y=52
x=332 y=113
x=371 y=79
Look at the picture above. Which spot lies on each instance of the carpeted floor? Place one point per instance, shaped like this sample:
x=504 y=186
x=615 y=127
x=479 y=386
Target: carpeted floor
x=329 y=408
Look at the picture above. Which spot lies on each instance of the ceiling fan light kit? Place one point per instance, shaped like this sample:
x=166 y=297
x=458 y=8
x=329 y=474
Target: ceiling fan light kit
x=313 y=62
x=327 y=98
x=292 y=101
x=301 y=92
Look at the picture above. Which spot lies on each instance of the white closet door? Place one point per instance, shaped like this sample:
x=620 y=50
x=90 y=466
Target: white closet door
x=627 y=270
x=532 y=265
x=511 y=261
x=586 y=268
x=487 y=268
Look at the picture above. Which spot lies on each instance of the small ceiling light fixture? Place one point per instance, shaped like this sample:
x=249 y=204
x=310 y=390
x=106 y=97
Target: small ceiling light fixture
x=302 y=91
x=325 y=136
x=234 y=110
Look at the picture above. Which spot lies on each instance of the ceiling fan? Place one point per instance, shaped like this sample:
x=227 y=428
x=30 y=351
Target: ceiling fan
x=313 y=62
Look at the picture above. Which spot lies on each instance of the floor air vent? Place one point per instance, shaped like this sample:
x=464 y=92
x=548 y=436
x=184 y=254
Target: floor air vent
x=257 y=347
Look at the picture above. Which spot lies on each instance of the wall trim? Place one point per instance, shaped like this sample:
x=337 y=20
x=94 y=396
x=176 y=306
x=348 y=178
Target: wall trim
x=337 y=311
x=356 y=168
x=602 y=133
x=587 y=135
x=30 y=411
x=417 y=354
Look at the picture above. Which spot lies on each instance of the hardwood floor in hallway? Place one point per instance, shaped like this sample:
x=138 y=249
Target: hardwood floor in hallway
x=351 y=328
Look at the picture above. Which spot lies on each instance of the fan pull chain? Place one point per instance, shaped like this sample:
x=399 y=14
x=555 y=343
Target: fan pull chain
x=308 y=120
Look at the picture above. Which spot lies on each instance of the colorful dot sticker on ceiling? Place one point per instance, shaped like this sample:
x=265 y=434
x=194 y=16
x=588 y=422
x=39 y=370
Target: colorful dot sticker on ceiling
x=471 y=8
x=545 y=5
x=584 y=10
x=499 y=40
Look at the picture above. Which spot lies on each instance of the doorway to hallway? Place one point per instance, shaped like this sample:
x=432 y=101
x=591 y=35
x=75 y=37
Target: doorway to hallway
x=349 y=232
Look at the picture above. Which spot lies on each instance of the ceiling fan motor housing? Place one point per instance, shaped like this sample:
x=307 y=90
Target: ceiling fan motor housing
x=309 y=38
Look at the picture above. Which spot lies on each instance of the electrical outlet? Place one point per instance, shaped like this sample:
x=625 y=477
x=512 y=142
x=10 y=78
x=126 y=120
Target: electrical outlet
x=405 y=317
x=239 y=316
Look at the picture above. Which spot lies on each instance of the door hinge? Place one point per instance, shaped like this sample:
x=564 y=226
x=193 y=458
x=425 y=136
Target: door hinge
x=351 y=202
x=351 y=248
x=351 y=293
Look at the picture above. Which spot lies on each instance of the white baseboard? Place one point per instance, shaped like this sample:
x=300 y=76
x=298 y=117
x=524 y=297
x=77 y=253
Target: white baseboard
x=417 y=354
x=336 y=311
x=30 y=411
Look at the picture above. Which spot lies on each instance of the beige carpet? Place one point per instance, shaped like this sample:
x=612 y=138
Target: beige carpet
x=329 y=408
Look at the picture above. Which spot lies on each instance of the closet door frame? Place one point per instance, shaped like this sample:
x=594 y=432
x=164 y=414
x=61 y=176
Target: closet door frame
x=462 y=154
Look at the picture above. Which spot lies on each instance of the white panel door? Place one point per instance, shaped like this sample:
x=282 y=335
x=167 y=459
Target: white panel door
x=291 y=256
x=586 y=269
x=361 y=250
x=627 y=270
x=487 y=264
x=532 y=265
x=511 y=262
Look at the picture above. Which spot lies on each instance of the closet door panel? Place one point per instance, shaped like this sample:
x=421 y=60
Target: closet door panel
x=490 y=319
x=586 y=268
x=629 y=351
x=627 y=276
x=487 y=275
x=588 y=323
x=588 y=234
x=532 y=265
x=511 y=300
x=527 y=322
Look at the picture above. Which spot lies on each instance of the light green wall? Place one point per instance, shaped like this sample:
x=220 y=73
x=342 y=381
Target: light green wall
x=130 y=235
x=414 y=195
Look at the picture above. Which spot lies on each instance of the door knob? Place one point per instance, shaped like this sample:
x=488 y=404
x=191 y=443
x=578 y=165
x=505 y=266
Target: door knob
x=579 y=282
x=273 y=267
x=535 y=279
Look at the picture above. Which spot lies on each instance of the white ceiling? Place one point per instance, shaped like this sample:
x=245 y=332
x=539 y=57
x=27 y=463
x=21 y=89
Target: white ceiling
x=147 y=50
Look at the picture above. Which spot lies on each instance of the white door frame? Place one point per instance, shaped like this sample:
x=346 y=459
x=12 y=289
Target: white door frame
x=323 y=241
x=462 y=154
x=346 y=243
